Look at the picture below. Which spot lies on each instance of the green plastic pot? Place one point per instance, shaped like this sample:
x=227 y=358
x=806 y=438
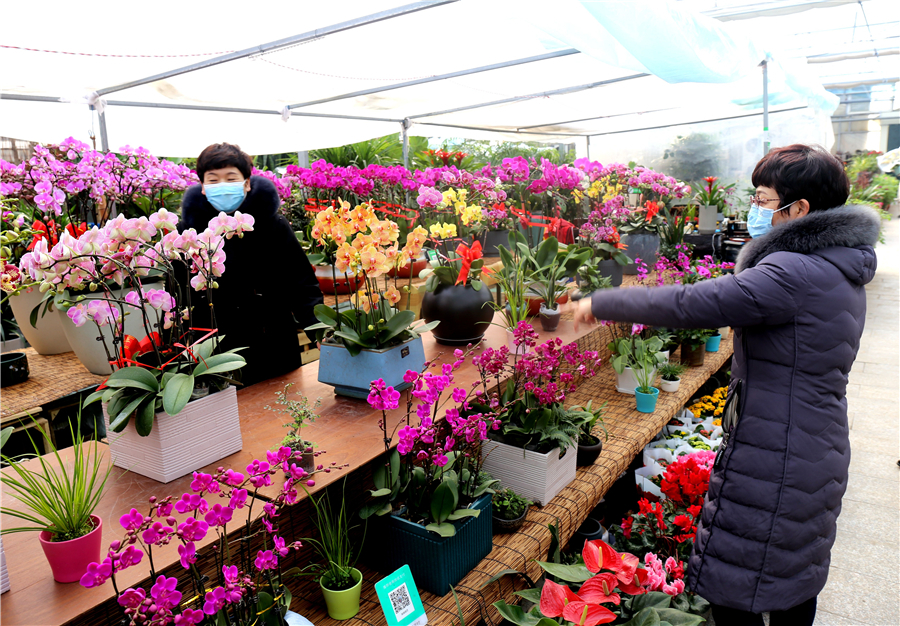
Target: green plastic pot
x=343 y=604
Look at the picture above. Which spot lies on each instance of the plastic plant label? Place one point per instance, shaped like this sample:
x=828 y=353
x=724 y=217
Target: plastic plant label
x=431 y=254
x=400 y=599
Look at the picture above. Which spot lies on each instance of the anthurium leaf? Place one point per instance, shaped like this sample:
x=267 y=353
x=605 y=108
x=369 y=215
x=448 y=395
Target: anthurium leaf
x=143 y=421
x=444 y=529
x=646 y=617
x=135 y=377
x=652 y=599
x=679 y=618
x=569 y=573
x=514 y=613
x=177 y=393
x=380 y=492
x=532 y=595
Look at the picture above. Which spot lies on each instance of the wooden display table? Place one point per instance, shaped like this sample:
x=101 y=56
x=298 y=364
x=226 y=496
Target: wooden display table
x=348 y=430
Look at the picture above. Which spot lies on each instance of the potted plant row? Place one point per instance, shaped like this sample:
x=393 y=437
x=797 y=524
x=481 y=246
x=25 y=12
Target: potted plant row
x=430 y=492
x=173 y=377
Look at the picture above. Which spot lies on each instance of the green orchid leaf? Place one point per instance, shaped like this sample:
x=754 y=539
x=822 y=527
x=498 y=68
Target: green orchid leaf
x=143 y=422
x=444 y=529
x=459 y=514
x=135 y=377
x=177 y=393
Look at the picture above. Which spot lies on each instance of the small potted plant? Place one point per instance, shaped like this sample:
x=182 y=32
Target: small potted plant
x=551 y=269
x=338 y=577
x=509 y=510
x=511 y=283
x=713 y=341
x=693 y=345
x=632 y=352
x=644 y=363
x=589 y=444
x=59 y=498
x=670 y=374
x=301 y=414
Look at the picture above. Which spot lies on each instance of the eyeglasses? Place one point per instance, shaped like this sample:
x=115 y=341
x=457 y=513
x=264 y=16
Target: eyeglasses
x=761 y=201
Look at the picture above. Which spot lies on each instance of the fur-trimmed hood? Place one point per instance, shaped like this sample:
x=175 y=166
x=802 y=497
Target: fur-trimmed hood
x=834 y=234
x=262 y=203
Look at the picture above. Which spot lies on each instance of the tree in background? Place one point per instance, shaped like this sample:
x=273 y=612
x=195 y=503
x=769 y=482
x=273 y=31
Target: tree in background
x=691 y=158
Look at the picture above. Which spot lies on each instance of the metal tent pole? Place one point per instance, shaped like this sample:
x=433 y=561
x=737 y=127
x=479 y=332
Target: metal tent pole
x=404 y=137
x=766 y=142
x=104 y=138
x=282 y=43
x=431 y=79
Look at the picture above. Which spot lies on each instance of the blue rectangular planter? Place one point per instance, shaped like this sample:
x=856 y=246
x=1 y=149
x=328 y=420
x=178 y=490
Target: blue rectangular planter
x=436 y=562
x=351 y=375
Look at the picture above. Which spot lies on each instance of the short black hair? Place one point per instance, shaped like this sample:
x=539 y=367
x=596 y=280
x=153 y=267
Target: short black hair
x=220 y=155
x=802 y=172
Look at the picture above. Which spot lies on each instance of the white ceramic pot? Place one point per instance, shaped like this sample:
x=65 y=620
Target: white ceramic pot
x=724 y=331
x=4 y=575
x=49 y=336
x=538 y=477
x=205 y=431
x=708 y=221
x=511 y=344
x=84 y=340
x=669 y=386
x=626 y=382
x=633 y=199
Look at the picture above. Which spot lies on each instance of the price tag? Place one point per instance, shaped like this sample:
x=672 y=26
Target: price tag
x=400 y=599
x=432 y=254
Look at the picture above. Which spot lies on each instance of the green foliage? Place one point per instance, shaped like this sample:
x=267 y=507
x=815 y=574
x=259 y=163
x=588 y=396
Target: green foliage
x=140 y=392
x=61 y=495
x=511 y=280
x=641 y=355
x=387 y=150
x=887 y=187
x=670 y=371
x=509 y=505
x=485 y=151
x=300 y=413
x=333 y=544
x=690 y=158
x=549 y=268
x=589 y=278
x=589 y=418
x=693 y=336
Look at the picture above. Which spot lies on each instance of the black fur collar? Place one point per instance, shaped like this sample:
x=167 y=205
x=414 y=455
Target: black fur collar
x=848 y=226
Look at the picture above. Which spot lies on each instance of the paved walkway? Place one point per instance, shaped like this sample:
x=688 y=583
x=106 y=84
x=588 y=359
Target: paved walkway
x=863 y=586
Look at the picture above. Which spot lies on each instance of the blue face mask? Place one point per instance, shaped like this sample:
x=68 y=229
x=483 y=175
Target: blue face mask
x=759 y=220
x=225 y=197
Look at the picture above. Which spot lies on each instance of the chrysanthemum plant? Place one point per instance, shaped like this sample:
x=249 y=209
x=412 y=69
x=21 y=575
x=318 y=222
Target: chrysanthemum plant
x=363 y=246
x=117 y=264
x=246 y=588
x=434 y=472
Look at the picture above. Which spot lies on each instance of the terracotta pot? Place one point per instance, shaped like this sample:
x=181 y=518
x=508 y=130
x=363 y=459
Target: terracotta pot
x=332 y=282
x=404 y=272
x=69 y=559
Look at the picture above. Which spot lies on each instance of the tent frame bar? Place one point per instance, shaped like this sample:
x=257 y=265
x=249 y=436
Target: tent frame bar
x=599 y=117
x=718 y=119
x=543 y=94
x=431 y=79
x=272 y=46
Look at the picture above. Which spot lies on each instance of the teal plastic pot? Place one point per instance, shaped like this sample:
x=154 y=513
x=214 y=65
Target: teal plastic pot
x=712 y=344
x=343 y=604
x=646 y=402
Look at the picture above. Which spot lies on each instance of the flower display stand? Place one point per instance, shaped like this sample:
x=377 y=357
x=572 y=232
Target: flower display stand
x=351 y=375
x=205 y=431
x=436 y=562
x=538 y=477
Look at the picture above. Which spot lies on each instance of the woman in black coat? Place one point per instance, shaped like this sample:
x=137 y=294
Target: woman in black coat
x=268 y=289
x=797 y=302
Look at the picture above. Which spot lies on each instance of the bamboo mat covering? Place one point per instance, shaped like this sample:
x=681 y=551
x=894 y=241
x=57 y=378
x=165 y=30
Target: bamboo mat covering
x=53 y=376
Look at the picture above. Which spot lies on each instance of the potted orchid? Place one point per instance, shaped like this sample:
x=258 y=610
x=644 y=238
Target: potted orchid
x=248 y=585
x=430 y=490
x=711 y=199
x=640 y=234
x=497 y=222
x=366 y=336
x=534 y=450
x=102 y=278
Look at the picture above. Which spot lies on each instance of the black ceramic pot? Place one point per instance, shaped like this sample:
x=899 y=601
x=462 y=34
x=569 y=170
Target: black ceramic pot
x=13 y=368
x=612 y=270
x=589 y=531
x=509 y=525
x=493 y=238
x=463 y=312
x=588 y=454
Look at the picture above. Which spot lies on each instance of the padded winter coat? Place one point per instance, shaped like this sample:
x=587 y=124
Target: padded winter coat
x=268 y=290
x=797 y=303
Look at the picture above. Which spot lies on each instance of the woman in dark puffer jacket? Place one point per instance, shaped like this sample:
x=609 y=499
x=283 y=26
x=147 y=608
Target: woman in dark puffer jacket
x=797 y=302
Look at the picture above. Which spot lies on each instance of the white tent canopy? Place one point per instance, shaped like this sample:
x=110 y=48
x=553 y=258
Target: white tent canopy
x=515 y=69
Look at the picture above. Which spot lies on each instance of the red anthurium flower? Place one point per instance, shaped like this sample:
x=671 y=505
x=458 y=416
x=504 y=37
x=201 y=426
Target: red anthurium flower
x=598 y=554
x=634 y=587
x=586 y=614
x=601 y=588
x=555 y=597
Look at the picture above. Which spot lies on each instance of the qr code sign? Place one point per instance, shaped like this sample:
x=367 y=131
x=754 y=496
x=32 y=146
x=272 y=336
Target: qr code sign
x=401 y=602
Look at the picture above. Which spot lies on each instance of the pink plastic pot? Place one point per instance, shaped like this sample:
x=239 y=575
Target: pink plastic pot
x=69 y=559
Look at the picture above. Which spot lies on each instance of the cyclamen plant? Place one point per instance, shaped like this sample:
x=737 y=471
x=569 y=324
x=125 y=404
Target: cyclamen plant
x=435 y=468
x=245 y=589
